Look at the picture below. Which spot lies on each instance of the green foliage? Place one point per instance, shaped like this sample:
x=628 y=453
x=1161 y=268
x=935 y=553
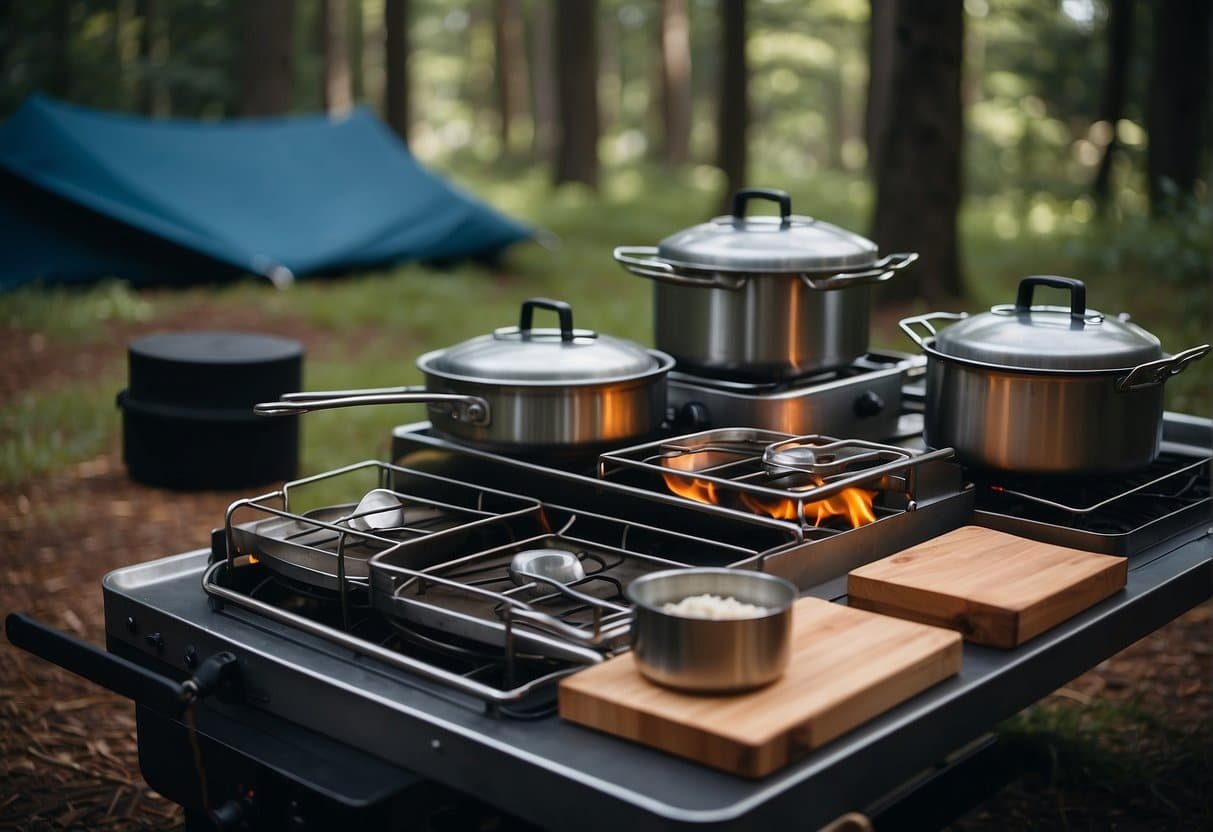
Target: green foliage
x=43 y=430
x=73 y=314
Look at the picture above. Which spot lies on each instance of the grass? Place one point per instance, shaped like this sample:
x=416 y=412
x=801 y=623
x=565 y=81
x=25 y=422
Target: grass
x=1105 y=754
x=377 y=323
x=42 y=431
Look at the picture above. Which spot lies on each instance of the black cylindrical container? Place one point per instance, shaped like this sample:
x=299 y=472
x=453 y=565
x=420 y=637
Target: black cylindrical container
x=187 y=417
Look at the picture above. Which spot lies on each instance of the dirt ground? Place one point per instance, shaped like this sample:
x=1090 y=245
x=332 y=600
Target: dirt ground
x=68 y=750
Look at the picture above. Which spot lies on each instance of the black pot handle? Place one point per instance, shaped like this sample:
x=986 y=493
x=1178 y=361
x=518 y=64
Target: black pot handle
x=1078 y=293
x=115 y=673
x=774 y=194
x=527 y=314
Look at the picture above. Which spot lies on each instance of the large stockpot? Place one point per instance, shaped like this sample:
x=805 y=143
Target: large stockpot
x=762 y=297
x=1043 y=389
x=521 y=389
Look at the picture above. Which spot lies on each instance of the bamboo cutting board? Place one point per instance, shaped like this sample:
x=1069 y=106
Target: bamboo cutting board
x=994 y=587
x=846 y=667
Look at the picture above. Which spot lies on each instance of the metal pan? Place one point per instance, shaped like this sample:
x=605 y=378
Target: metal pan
x=526 y=389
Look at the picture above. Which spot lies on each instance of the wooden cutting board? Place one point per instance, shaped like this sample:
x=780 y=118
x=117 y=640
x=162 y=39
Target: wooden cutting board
x=846 y=667
x=994 y=587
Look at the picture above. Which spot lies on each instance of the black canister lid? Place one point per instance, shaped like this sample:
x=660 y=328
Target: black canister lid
x=213 y=369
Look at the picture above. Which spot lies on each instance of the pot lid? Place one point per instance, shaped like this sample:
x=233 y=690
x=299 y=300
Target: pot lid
x=526 y=355
x=767 y=244
x=1049 y=337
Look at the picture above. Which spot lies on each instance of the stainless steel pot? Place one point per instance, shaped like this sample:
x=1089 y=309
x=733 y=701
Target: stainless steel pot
x=705 y=655
x=1045 y=390
x=526 y=389
x=762 y=297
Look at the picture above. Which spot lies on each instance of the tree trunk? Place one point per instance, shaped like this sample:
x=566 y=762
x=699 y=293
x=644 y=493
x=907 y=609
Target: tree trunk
x=610 y=70
x=675 y=42
x=511 y=79
x=338 y=86
x=543 y=74
x=59 y=76
x=155 y=96
x=1116 y=81
x=357 y=56
x=266 y=57
x=126 y=53
x=733 y=114
x=881 y=26
x=577 y=92
x=1178 y=96
x=396 y=57
x=918 y=171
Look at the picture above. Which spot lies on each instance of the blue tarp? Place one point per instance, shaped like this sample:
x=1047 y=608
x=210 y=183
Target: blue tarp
x=85 y=194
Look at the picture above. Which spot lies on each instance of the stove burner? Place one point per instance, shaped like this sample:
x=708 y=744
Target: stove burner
x=801 y=480
x=1112 y=514
x=546 y=565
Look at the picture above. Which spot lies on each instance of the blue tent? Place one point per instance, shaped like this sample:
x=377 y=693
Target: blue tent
x=85 y=194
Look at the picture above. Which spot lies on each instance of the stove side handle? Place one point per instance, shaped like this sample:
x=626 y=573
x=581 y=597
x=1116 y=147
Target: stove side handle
x=113 y=672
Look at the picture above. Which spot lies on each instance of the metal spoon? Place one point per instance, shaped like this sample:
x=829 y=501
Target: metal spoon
x=378 y=509
x=546 y=564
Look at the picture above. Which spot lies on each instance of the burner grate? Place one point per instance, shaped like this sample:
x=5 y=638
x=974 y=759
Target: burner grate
x=803 y=480
x=442 y=583
x=1114 y=514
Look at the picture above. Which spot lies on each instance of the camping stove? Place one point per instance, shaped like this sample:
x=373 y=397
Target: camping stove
x=334 y=656
x=861 y=400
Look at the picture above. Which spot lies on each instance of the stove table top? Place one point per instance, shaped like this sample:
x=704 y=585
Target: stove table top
x=544 y=769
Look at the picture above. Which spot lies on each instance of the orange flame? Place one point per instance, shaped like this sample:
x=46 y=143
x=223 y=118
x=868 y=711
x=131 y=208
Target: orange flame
x=692 y=489
x=855 y=504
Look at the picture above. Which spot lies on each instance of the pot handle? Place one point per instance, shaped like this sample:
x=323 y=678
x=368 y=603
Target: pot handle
x=1155 y=373
x=643 y=261
x=907 y=324
x=527 y=314
x=471 y=409
x=774 y=194
x=1078 y=293
x=880 y=271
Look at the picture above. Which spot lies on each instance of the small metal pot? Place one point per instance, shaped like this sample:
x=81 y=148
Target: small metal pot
x=705 y=655
x=526 y=389
x=1045 y=390
x=762 y=297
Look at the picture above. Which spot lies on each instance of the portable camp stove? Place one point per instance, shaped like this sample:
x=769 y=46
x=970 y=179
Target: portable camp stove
x=861 y=400
x=337 y=659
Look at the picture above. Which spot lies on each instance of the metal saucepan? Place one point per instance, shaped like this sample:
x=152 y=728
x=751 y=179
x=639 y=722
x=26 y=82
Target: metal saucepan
x=762 y=297
x=526 y=389
x=1043 y=389
x=707 y=655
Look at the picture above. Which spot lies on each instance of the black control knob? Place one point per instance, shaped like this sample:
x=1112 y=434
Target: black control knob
x=230 y=815
x=867 y=405
x=692 y=416
x=155 y=641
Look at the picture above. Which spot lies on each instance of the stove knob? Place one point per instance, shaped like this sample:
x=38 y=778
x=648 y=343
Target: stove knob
x=868 y=405
x=692 y=416
x=233 y=814
x=155 y=641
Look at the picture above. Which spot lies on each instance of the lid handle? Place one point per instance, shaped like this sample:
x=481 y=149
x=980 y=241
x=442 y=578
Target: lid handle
x=1078 y=293
x=773 y=194
x=527 y=314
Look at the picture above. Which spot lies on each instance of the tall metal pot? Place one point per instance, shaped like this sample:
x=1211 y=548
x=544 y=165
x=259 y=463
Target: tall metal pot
x=762 y=297
x=1043 y=389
